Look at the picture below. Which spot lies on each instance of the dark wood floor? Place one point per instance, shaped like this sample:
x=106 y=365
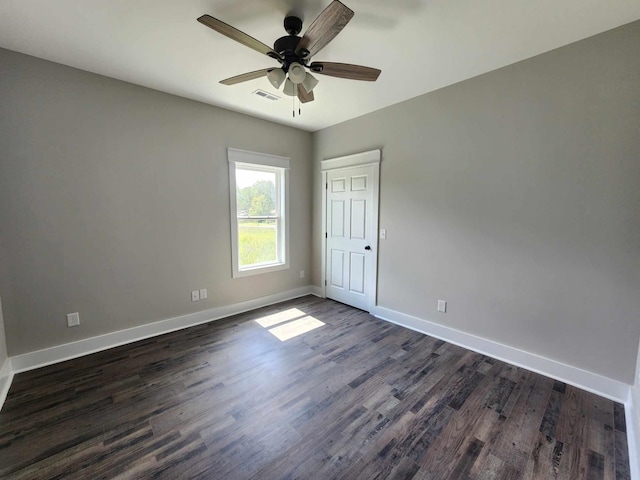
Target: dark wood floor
x=355 y=398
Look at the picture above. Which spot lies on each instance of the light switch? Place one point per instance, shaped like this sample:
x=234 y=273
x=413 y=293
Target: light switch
x=383 y=233
x=442 y=306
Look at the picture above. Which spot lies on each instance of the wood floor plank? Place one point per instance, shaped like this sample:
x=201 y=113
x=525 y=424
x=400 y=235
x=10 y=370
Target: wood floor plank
x=355 y=398
x=622 y=456
x=513 y=438
x=452 y=444
x=544 y=459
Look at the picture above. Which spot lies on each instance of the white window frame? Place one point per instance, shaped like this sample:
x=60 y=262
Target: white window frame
x=268 y=163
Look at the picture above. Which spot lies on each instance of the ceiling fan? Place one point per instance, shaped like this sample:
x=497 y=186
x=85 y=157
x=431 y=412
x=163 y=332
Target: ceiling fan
x=294 y=52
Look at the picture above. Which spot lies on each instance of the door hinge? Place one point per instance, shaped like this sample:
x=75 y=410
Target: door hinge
x=326 y=186
x=325 y=283
x=326 y=235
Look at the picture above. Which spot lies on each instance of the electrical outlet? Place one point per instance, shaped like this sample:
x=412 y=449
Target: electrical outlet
x=442 y=306
x=203 y=293
x=195 y=295
x=301 y=273
x=73 y=319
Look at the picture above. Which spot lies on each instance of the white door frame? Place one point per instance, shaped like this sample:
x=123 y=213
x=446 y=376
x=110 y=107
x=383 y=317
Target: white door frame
x=372 y=157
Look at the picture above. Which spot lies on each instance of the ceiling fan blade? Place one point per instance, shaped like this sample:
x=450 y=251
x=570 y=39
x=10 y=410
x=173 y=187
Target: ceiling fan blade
x=346 y=70
x=304 y=96
x=324 y=28
x=245 y=77
x=237 y=35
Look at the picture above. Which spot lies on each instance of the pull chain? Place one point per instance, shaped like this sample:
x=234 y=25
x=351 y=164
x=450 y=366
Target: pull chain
x=295 y=95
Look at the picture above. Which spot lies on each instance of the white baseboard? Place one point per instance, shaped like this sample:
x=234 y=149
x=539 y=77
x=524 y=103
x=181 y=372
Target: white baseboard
x=67 y=351
x=632 y=414
x=583 y=379
x=317 y=291
x=6 y=377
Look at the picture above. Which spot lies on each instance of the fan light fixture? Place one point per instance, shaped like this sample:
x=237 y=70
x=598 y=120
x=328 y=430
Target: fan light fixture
x=289 y=88
x=276 y=77
x=309 y=82
x=296 y=73
x=296 y=76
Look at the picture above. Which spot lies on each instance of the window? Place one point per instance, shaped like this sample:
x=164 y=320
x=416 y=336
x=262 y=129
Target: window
x=259 y=212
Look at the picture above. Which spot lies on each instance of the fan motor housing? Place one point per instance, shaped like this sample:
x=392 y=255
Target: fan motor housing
x=286 y=44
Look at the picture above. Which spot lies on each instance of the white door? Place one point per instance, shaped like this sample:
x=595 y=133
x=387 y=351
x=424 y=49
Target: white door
x=351 y=235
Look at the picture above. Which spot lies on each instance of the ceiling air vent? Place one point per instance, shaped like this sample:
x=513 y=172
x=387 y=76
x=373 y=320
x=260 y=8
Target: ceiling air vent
x=267 y=95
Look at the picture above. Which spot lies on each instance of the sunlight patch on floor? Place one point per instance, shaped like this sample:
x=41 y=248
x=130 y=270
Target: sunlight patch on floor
x=279 y=317
x=290 y=323
x=295 y=328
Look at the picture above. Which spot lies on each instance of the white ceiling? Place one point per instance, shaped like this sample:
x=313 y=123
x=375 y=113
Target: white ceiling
x=420 y=45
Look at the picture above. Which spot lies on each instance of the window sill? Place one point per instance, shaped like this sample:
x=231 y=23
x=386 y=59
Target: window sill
x=272 y=267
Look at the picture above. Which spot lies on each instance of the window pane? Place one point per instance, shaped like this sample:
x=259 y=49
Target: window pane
x=255 y=193
x=257 y=241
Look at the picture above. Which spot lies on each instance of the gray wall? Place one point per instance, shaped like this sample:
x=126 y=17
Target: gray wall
x=515 y=196
x=114 y=202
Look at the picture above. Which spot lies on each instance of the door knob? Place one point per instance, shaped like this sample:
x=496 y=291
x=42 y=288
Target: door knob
x=367 y=247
